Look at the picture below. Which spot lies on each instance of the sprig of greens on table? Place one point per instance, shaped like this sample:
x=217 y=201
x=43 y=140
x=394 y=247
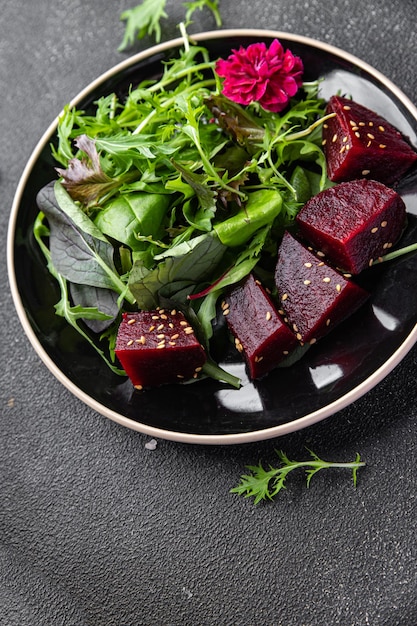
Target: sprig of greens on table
x=265 y=484
x=146 y=18
x=175 y=161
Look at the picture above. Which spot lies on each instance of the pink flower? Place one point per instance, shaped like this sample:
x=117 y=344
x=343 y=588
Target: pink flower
x=269 y=76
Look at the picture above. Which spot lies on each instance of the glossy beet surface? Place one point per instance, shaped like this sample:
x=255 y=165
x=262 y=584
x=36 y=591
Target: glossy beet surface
x=353 y=223
x=261 y=335
x=314 y=296
x=158 y=347
x=358 y=142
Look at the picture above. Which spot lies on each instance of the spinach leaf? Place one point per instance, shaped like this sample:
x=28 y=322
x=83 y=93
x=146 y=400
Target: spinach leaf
x=189 y=262
x=79 y=251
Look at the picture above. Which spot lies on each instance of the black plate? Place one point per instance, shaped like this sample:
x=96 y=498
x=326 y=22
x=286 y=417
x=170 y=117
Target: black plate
x=334 y=373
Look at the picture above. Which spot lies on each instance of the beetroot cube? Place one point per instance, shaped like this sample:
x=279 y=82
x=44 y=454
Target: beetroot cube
x=260 y=334
x=357 y=142
x=314 y=296
x=353 y=223
x=158 y=347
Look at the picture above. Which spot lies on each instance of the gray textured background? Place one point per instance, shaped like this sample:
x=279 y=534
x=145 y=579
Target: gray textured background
x=97 y=530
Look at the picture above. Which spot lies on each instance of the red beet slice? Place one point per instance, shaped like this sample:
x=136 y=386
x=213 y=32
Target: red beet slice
x=353 y=223
x=158 y=347
x=314 y=296
x=260 y=334
x=357 y=142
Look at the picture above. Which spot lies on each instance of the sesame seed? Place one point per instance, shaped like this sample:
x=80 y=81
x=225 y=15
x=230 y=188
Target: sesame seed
x=382 y=146
x=354 y=127
x=328 y=322
x=320 y=254
x=160 y=327
x=383 y=224
x=284 y=297
x=361 y=123
x=173 y=312
x=268 y=316
x=371 y=262
x=160 y=336
x=160 y=345
x=365 y=172
x=155 y=317
x=368 y=144
x=175 y=336
x=151 y=328
x=180 y=376
x=188 y=330
x=281 y=311
x=226 y=311
x=129 y=343
x=295 y=328
x=225 y=305
x=132 y=321
x=312 y=341
x=326 y=279
x=334 y=138
x=198 y=369
x=320 y=264
x=172 y=343
x=338 y=288
x=374 y=230
x=370 y=123
x=357 y=134
x=299 y=336
x=141 y=340
x=346 y=107
x=307 y=282
x=183 y=323
x=325 y=126
x=308 y=264
x=171 y=325
x=381 y=128
x=345 y=138
x=138 y=387
x=323 y=143
x=342 y=149
x=352 y=123
x=163 y=316
x=258 y=282
x=258 y=359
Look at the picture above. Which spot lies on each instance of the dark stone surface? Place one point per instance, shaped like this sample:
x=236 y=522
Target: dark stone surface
x=97 y=530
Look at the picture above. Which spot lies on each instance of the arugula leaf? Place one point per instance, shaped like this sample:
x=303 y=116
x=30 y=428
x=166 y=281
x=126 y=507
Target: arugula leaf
x=143 y=19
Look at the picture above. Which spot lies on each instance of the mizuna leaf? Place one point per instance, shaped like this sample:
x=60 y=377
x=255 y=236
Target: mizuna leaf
x=142 y=20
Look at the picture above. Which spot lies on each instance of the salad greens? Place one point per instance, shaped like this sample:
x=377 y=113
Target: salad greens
x=168 y=195
x=264 y=484
x=145 y=18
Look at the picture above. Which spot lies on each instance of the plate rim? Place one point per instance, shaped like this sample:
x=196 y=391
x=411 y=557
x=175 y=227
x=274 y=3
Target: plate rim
x=188 y=437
